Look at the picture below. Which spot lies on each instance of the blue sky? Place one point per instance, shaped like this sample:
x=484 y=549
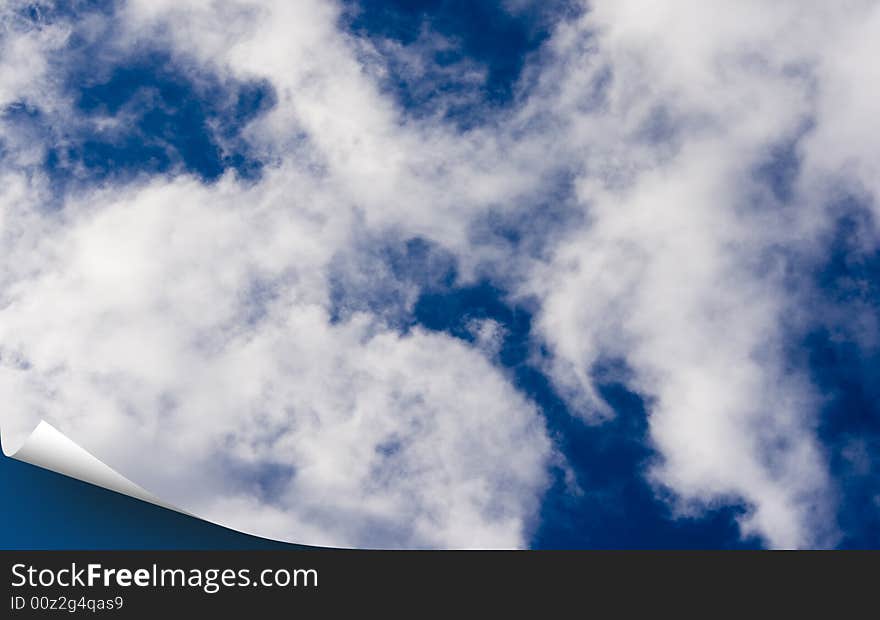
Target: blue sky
x=453 y=274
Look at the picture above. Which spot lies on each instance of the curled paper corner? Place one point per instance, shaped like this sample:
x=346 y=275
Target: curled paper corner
x=49 y=448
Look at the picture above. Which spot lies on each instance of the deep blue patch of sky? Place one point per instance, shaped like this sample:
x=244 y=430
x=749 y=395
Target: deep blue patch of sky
x=169 y=122
x=140 y=113
x=842 y=352
x=838 y=345
x=486 y=35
